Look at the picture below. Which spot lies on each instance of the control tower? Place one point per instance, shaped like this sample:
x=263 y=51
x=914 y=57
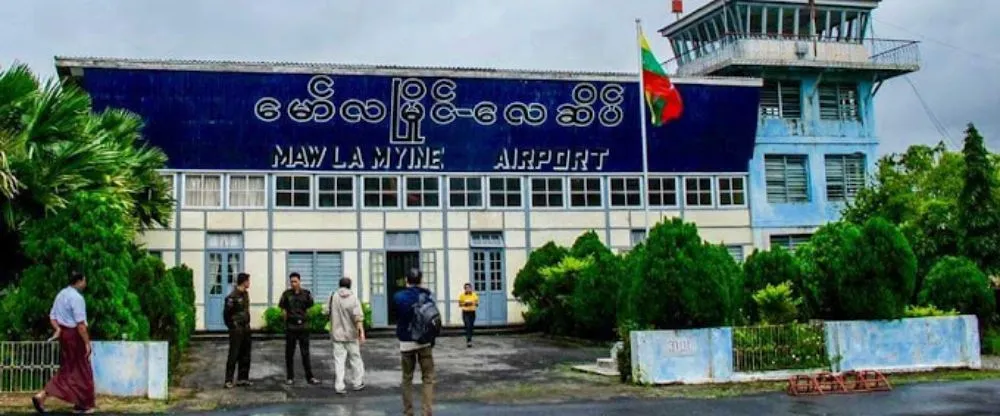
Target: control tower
x=822 y=68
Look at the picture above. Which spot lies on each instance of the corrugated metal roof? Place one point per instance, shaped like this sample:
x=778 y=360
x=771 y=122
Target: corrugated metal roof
x=364 y=69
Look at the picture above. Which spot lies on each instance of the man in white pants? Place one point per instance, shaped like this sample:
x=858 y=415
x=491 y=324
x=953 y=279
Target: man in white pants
x=348 y=332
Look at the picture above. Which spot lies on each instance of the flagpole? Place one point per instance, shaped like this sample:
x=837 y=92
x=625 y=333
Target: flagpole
x=642 y=123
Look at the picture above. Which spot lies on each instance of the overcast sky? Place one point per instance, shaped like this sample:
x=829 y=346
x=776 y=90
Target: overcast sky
x=960 y=78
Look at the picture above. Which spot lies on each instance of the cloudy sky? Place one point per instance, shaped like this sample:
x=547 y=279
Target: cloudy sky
x=959 y=81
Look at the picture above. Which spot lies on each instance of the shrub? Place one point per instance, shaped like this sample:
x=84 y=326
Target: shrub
x=784 y=347
x=316 y=320
x=274 y=321
x=777 y=304
x=170 y=317
x=555 y=311
x=183 y=278
x=680 y=282
x=957 y=283
x=914 y=311
x=991 y=342
x=829 y=257
x=528 y=284
x=594 y=298
x=763 y=268
x=92 y=235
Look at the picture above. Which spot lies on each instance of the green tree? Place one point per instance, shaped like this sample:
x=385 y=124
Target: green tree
x=596 y=293
x=768 y=268
x=529 y=283
x=978 y=211
x=957 y=283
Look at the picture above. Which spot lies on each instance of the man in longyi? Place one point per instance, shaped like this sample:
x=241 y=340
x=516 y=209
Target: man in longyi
x=74 y=382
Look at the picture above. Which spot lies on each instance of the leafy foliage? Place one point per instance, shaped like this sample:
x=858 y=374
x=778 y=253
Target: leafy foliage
x=914 y=311
x=529 y=282
x=170 y=312
x=777 y=304
x=595 y=295
x=779 y=347
x=957 y=283
x=978 y=209
x=764 y=268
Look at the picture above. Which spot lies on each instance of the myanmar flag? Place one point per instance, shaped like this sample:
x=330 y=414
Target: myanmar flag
x=662 y=97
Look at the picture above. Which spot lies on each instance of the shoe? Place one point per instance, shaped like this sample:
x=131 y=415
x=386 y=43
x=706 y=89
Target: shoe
x=313 y=381
x=341 y=392
x=246 y=383
x=228 y=385
x=289 y=382
x=468 y=344
x=359 y=387
x=37 y=402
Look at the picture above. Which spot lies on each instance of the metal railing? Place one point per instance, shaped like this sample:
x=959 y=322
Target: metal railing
x=797 y=50
x=779 y=347
x=27 y=366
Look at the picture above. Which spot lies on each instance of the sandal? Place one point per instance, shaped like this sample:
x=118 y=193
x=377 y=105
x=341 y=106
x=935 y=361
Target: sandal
x=37 y=402
x=228 y=385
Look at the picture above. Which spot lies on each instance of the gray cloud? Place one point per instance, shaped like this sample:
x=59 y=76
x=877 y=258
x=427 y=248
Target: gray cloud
x=959 y=79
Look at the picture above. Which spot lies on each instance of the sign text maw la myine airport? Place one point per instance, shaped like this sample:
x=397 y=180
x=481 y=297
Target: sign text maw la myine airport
x=366 y=123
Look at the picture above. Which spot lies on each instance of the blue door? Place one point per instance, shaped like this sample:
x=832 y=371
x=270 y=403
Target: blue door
x=221 y=271
x=488 y=281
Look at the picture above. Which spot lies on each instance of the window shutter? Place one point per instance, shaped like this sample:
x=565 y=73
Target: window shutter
x=303 y=264
x=329 y=269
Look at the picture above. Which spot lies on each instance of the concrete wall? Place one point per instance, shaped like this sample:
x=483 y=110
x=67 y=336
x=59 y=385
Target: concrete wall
x=904 y=345
x=131 y=369
x=705 y=355
x=682 y=356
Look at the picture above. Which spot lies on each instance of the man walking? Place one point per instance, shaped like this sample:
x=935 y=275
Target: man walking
x=74 y=382
x=468 y=301
x=416 y=312
x=294 y=303
x=237 y=317
x=348 y=332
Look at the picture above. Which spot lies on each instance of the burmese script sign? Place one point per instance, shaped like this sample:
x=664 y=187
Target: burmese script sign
x=366 y=123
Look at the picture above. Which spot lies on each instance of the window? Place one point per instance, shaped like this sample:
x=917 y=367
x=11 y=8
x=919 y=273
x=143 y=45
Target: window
x=662 y=192
x=698 y=192
x=838 y=102
x=625 y=192
x=789 y=241
x=204 y=191
x=422 y=192
x=736 y=252
x=636 y=237
x=845 y=175
x=546 y=192
x=335 y=191
x=732 y=191
x=464 y=192
x=781 y=99
x=428 y=267
x=585 y=192
x=786 y=178
x=505 y=192
x=247 y=191
x=381 y=191
x=293 y=191
x=320 y=273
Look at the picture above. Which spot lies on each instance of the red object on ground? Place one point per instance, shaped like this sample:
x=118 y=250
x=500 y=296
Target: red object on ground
x=848 y=382
x=677 y=6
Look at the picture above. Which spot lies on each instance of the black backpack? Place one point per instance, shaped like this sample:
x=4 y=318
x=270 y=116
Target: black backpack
x=426 y=323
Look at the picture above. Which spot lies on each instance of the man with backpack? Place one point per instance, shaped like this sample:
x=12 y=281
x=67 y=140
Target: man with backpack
x=417 y=326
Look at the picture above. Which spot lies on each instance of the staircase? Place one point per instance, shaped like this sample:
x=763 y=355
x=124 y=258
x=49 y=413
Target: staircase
x=604 y=366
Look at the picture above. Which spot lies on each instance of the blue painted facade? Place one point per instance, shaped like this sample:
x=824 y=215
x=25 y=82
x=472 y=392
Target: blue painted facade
x=682 y=356
x=815 y=139
x=208 y=120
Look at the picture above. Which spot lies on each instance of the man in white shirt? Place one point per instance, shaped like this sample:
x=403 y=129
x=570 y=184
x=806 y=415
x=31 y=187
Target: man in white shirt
x=74 y=382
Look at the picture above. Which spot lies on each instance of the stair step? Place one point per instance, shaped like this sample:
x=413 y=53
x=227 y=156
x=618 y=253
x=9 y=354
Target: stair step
x=608 y=363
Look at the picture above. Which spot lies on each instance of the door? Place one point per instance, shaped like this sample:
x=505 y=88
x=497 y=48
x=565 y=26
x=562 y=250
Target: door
x=396 y=265
x=488 y=282
x=223 y=266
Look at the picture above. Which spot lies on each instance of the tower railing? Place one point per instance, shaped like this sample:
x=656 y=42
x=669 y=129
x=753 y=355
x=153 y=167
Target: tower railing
x=791 y=50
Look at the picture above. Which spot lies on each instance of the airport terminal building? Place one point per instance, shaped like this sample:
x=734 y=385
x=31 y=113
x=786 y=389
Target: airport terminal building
x=365 y=171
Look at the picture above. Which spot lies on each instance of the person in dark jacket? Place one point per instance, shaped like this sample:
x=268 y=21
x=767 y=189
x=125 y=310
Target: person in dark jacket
x=236 y=314
x=412 y=352
x=294 y=303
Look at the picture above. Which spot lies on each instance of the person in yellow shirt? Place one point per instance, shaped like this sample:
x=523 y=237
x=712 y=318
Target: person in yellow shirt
x=468 y=301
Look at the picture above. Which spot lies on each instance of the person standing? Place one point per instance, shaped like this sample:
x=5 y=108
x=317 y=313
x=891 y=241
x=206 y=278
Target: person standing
x=347 y=330
x=237 y=317
x=74 y=382
x=294 y=304
x=469 y=302
x=415 y=351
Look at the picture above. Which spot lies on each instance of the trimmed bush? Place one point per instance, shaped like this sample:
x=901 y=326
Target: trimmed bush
x=530 y=284
x=827 y=260
x=763 y=268
x=957 y=283
x=557 y=292
x=777 y=304
x=594 y=298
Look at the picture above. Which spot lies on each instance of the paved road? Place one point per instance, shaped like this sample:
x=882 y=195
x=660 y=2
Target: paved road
x=965 y=399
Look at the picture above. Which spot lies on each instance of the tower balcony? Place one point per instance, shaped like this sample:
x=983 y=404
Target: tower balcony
x=747 y=54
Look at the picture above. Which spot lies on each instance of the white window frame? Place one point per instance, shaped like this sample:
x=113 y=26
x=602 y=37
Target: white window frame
x=219 y=192
x=677 y=192
x=381 y=191
x=624 y=192
x=586 y=192
x=422 y=192
x=505 y=192
x=699 y=193
x=547 y=193
x=294 y=191
x=850 y=185
x=731 y=192
x=230 y=190
x=768 y=180
x=465 y=193
x=336 y=192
